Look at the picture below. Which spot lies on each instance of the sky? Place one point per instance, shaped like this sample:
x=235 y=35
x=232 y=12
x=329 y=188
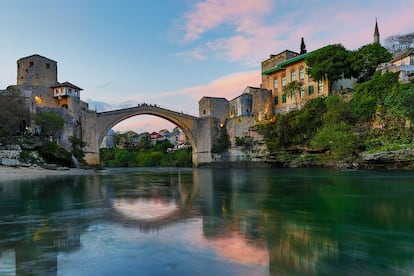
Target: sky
x=174 y=52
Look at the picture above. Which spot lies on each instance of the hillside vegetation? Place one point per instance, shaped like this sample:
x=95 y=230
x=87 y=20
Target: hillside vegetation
x=377 y=116
x=145 y=155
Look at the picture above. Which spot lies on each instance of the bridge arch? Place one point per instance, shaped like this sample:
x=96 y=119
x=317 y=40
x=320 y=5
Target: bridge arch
x=106 y=120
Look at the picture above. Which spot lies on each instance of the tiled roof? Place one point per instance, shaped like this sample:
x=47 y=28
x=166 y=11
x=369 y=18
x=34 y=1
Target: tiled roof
x=67 y=84
x=36 y=56
x=287 y=62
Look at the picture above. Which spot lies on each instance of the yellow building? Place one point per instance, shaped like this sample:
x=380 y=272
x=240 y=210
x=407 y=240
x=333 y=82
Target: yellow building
x=283 y=68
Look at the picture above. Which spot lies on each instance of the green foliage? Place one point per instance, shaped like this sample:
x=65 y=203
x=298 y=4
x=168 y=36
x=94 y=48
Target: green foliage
x=222 y=143
x=366 y=59
x=369 y=94
x=337 y=110
x=52 y=153
x=338 y=138
x=331 y=62
x=162 y=146
x=183 y=158
x=139 y=157
x=77 y=147
x=400 y=101
x=14 y=115
x=296 y=127
x=51 y=124
x=292 y=90
x=27 y=156
x=124 y=158
x=245 y=142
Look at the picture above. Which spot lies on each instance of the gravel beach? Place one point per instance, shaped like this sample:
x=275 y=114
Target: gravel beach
x=29 y=172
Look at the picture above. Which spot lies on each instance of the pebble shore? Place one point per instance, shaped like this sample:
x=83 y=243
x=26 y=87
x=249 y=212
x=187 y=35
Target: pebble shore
x=7 y=173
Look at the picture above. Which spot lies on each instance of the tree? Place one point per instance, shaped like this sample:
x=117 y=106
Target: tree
x=366 y=59
x=368 y=95
x=399 y=42
x=330 y=63
x=223 y=141
x=339 y=138
x=51 y=124
x=292 y=90
x=14 y=115
x=77 y=147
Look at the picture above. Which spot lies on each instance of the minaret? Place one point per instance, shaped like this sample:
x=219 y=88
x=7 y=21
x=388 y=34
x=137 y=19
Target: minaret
x=302 y=47
x=376 y=33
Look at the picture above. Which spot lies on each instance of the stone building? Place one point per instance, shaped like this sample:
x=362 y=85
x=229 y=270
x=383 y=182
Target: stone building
x=37 y=82
x=283 y=68
x=403 y=63
x=214 y=107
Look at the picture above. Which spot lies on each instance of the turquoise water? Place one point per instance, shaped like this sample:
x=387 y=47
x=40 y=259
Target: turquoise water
x=209 y=222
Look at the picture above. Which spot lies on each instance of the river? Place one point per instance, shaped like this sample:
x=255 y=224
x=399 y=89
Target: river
x=167 y=221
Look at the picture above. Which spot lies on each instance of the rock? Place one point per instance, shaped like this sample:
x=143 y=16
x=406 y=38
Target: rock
x=50 y=166
x=9 y=162
x=405 y=155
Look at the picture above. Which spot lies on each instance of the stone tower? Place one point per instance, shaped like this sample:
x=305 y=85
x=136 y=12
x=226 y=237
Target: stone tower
x=36 y=70
x=376 y=33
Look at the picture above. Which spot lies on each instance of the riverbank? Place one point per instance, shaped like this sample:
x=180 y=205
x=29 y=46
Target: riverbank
x=7 y=173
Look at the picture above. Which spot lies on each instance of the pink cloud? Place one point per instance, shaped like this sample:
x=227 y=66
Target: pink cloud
x=228 y=87
x=210 y=14
x=256 y=36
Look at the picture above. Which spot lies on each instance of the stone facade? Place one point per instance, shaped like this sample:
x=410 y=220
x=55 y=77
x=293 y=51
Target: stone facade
x=286 y=71
x=36 y=70
x=403 y=63
x=287 y=66
x=38 y=84
x=214 y=107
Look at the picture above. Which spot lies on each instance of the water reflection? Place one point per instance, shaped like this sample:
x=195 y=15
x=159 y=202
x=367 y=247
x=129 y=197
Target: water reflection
x=204 y=221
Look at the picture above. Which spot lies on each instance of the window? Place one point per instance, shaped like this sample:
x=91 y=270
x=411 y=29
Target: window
x=31 y=64
x=276 y=100
x=284 y=98
x=301 y=74
x=47 y=65
x=320 y=87
x=275 y=83
x=284 y=81
x=310 y=90
x=292 y=76
x=302 y=92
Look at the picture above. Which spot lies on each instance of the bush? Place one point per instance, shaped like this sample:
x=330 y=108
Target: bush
x=295 y=128
x=52 y=153
x=222 y=143
x=338 y=138
x=369 y=94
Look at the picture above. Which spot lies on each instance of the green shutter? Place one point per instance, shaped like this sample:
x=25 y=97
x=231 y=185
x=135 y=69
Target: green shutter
x=276 y=100
x=310 y=90
x=283 y=98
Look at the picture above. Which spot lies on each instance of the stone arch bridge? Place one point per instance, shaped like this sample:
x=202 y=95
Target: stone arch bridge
x=199 y=131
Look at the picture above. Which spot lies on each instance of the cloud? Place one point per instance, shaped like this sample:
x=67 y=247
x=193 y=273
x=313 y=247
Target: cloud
x=103 y=85
x=210 y=14
x=247 y=31
x=227 y=87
